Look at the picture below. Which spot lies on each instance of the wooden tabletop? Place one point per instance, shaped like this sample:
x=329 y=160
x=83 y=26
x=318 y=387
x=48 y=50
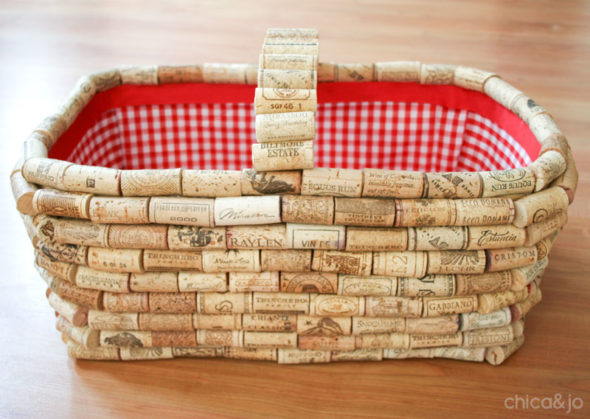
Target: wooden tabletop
x=542 y=47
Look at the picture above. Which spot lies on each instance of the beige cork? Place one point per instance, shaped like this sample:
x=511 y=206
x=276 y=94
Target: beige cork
x=473 y=321
x=313 y=236
x=355 y=72
x=438 y=306
x=307 y=209
x=231 y=260
x=462 y=354
x=224 y=303
x=494 y=301
x=180 y=74
x=504 y=259
x=383 y=341
x=287 y=79
x=430 y=285
x=51 y=127
x=280 y=302
x=123 y=236
x=407 y=264
x=489 y=282
x=425 y=212
x=271 y=322
x=519 y=310
x=508 y=182
x=496 y=355
x=358 y=355
x=297 y=356
x=270 y=183
x=95 y=180
x=364 y=212
x=105 y=80
x=83 y=297
x=62 y=270
x=224 y=73
x=270 y=339
x=502 y=92
x=323 y=326
x=154 y=282
x=199 y=352
x=288 y=61
x=46 y=172
x=170 y=260
x=495 y=237
x=291 y=33
x=484 y=211
x=309 y=282
x=377 y=325
x=172 y=302
x=443 y=325
x=119 y=210
x=78 y=351
x=554 y=141
x=135 y=302
x=31 y=229
x=145 y=354
x=392 y=183
x=83 y=335
x=332 y=182
x=23 y=193
x=547 y=168
x=353 y=263
x=201 y=282
x=211 y=183
x=115 y=260
x=62 y=204
x=524 y=275
x=182 y=211
x=399 y=71
x=569 y=179
x=366 y=285
x=335 y=343
x=128 y=338
x=248 y=210
x=100 y=280
x=453 y=185
x=249 y=282
x=151 y=182
x=471 y=78
x=391 y=306
x=437 y=74
x=104 y=320
x=217 y=321
x=376 y=239
x=70 y=253
x=257 y=237
x=44 y=227
x=545 y=245
x=401 y=353
x=336 y=305
x=283 y=156
x=457 y=261
x=538 y=231
x=290 y=48
x=73 y=313
x=77 y=99
x=251 y=354
x=196 y=238
x=431 y=341
x=437 y=238
x=182 y=339
x=139 y=74
x=488 y=337
x=538 y=119
x=80 y=232
x=286 y=260
x=286 y=126
x=327 y=72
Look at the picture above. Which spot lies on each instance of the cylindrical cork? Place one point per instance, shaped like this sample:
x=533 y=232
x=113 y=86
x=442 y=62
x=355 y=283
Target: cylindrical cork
x=430 y=285
x=285 y=260
x=484 y=211
x=100 y=280
x=287 y=79
x=154 y=282
x=78 y=351
x=496 y=355
x=196 y=238
x=220 y=337
x=286 y=126
x=437 y=74
x=182 y=211
x=104 y=320
x=538 y=231
x=400 y=71
x=291 y=34
x=248 y=210
x=495 y=237
x=372 y=239
x=200 y=282
x=504 y=259
x=172 y=260
x=471 y=78
x=392 y=183
x=332 y=182
x=311 y=236
x=364 y=212
x=488 y=337
x=336 y=305
x=151 y=182
x=248 y=282
x=73 y=313
x=182 y=339
x=432 y=341
x=283 y=156
x=35 y=146
x=391 y=306
x=538 y=119
x=198 y=352
x=270 y=322
x=119 y=210
x=70 y=253
x=437 y=238
x=115 y=260
x=473 y=321
x=524 y=275
x=23 y=193
x=133 y=339
x=290 y=48
x=495 y=301
x=308 y=209
x=83 y=335
x=335 y=343
x=180 y=74
x=218 y=321
x=358 y=355
x=323 y=326
x=401 y=353
x=539 y=206
x=425 y=212
x=383 y=341
x=502 y=92
x=145 y=354
x=139 y=74
x=355 y=72
x=44 y=227
x=135 y=302
x=489 y=282
x=257 y=237
x=62 y=204
x=462 y=354
x=265 y=302
x=95 y=180
x=309 y=282
x=274 y=100
x=270 y=183
x=407 y=264
x=125 y=236
x=251 y=354
x=231 y=260
x=508 y=182
x=224 y=73
x=270 y=339
x=211 y=183
x=353 y=263
x=438 y=306
x=453 y=185
x=288 y=61
x=83 y=297
x=52 y=127
x=569 y=179
x=443 y=325
x=555 y=141
x=377 y=325
x=77 y=99
x=62 y=270
x=327 y=72
x=224 y=303
x=298 y=356
x=172 y=302
x=79 y=232
x=105 y=80
x=366 y=285
x=545 y=245
x=519 y=310
x=31 y=229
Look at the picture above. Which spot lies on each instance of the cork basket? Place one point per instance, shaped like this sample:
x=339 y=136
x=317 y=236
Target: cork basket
x=394 y=210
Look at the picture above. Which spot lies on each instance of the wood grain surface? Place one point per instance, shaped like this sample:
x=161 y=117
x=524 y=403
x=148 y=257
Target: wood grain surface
x=542 y=47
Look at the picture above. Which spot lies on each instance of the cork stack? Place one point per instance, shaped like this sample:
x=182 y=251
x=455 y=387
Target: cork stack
x=286 y=262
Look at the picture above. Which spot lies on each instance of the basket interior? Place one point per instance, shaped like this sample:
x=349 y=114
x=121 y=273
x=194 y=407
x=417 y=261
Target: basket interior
x=404 y=126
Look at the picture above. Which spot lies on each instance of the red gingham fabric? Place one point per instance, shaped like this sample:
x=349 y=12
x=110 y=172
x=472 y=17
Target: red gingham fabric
x=356 y=135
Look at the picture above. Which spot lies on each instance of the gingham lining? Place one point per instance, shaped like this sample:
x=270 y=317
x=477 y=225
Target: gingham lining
x=388 y=135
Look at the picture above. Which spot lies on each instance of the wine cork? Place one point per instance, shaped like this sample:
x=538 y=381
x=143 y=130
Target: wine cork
x=334 y=343
x=323 y=326
x=488 y=337
x=287 y=126
x=292 y=33
x=399 y=71
x=489 y=282
x=172 y=260
x=358 y=355
x=45 y=227
x=224 y=73
x=519 y=310
x=139 y=74
x=378 y=325
x=172 y=302
x=231 y=260
x=401 y=353
x=104 y=320
x=312 y=236
x=265 y=302
x=496 y=355
x=128 y=338
x=292 y=48
x=251 y=354
x=308 y=209
x=270 y=339
x=372 y=239
x=437 y=238
x=355 y=72
x=431 y=341
x=545 y=245
x=77 y=99
x=23 y=193
x=271 y=183
x=95 y=180
x=78 y=351
x=105 y=80
x=430 y=285
x=538 y=119
x=180 y=74
x=462 y=354
x=270 y=322
x=490 y=211
x=83 y=297
x=364 y=212
x=36 y=145
x=135 y=302
x=288 y=61
x=287 y=79
x=76 y=315
x=285 y=260
x=503 y=259
x=508 y=182
x=154 y=282
x=494 y=301
x=438 y=306
x=119 y=210
x=309 y=282
x=100 y=280
x=211 y=183
x=145 y=354
x=408 y=264
x=332 y=182
x=366 y=285
x=151 y=182
x=62 y=270
x=383 y=341
x=196 y=238
x=457 y=261
x=453 y=185
x=297 y=356
x=392 y=183
x=79 y=232
x=182 y=211
x=569 y=179
x=70 y=253
x=495 y=237
x=443 y=325
x=201 y=282
x=31 y=229
x=473 y=321
x=199 y=352
x=52 y=127
x=471 y=78
x=257 y=237
x=174 y=338
x=524 y=275
x=552 y=141
x=248 y=282
x=391 y=306
x=282 y=156
x=115 y=260
x=353 y=263
x=437 y=74
x=425 y=212
x=122 y=236
x=248 y=210
x=62 y=204
x=217 y=321
x=224 y=303
x=327 y=72
x=336 y=305
x=83 y=335
x=274 y=100
x=539 y=206
x=538 y=231
x=502 y=92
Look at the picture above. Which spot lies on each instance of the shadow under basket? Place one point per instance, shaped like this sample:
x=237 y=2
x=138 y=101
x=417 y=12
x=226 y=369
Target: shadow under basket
x=395 y=210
